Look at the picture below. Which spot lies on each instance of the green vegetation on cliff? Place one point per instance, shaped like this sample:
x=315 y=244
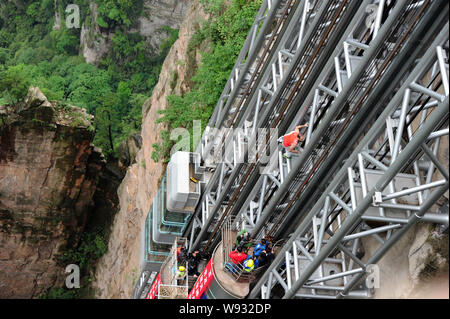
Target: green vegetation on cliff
x=33 y=52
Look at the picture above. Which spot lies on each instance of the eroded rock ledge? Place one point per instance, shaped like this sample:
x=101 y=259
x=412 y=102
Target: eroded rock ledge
x=48 y=175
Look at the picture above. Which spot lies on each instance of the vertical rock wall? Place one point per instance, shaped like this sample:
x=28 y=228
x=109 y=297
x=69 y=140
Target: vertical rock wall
x=48 y=175
x=118 y=271
x=95 y=43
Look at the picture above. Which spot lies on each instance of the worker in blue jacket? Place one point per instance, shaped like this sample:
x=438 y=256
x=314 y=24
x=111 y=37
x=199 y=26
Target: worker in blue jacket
x=262 y=245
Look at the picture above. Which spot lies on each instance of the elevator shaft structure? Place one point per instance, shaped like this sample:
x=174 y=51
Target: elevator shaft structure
x=363 y=198
x=267 y=107
x=371 y=80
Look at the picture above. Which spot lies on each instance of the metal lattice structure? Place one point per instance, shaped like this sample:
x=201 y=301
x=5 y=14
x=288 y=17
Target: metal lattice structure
x=366 y=189
x=266 y=107
x=371 y=80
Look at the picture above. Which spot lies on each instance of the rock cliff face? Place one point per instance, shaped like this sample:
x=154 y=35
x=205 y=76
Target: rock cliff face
x=160 y=13
x=118 y=270
x=48 y=175
x=415 y=267
x=94 y=43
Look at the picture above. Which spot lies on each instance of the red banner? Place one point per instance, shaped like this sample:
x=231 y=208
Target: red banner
x=203 y=282
x=153 y=293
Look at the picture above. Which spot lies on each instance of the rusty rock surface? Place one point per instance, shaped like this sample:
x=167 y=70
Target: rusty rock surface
x=48 y=175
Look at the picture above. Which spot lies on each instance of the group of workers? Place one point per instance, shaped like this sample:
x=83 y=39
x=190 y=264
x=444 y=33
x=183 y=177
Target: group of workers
x=262 y=253
x=192 y=260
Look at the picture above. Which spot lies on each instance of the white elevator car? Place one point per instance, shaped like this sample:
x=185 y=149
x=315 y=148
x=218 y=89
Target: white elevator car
x=184 y=182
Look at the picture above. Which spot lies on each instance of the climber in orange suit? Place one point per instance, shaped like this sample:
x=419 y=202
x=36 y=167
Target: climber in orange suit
x=291 y=140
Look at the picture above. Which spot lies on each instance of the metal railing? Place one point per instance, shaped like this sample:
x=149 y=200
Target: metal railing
x=173 y=287
x=238 y=272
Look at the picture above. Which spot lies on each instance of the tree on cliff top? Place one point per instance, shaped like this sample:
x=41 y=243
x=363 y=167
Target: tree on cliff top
x=13 y=84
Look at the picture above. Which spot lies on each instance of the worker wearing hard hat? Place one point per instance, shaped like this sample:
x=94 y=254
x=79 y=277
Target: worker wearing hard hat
x=181 y=272
x=249 y=265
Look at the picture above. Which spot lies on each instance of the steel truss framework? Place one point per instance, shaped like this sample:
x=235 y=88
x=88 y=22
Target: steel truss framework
x=348 y=102
x=328 y=87
x=328 y=63
x=400 y=150
x=358 y=50
x=267 y=38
